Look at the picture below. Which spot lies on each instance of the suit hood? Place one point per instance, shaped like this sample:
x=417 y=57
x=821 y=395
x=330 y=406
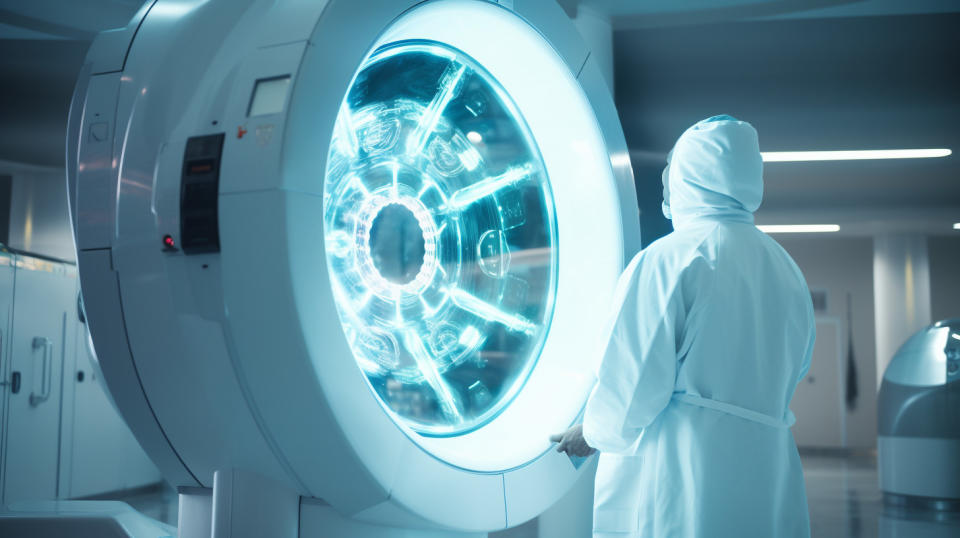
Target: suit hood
x=714 y=170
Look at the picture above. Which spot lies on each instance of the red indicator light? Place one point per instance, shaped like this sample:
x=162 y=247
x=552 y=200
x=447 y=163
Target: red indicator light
x=168 y=241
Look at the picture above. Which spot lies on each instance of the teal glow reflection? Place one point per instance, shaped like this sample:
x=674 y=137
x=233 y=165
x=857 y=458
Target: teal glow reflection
x=442 y=248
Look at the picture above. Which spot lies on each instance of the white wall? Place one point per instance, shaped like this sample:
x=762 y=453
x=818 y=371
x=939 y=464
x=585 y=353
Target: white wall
x=39 y=216
x=843 y=265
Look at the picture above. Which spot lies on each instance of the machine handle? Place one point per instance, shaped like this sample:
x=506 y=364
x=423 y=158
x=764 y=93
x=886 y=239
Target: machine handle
x=47 y=377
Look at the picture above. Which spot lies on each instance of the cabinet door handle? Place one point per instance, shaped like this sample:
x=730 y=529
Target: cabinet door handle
x=46 y=379
x=14 y=382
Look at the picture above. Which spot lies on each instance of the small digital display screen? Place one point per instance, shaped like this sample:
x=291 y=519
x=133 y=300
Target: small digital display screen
x=269 y=96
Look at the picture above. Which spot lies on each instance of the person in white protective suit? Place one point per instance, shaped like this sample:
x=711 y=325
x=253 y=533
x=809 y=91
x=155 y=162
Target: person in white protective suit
x=713 y=329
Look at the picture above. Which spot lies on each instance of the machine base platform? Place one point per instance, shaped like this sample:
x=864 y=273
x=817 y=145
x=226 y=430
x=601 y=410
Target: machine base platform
x=940 y=508
x=80 y=519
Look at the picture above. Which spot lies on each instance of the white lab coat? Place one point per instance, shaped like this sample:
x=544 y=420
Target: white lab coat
x=713 y=330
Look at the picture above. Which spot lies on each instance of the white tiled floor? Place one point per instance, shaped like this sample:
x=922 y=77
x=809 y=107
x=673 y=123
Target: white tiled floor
x=844 y=498
x=845 y=502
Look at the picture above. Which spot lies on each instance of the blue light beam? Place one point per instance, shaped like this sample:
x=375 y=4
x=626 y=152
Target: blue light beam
x=449 y=88
x=487 y=311
x=446 y=397
x=485 y=187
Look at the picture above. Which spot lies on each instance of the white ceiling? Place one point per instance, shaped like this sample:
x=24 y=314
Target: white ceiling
x=627 y=14
x=42 y=46
x=811 y=74
x=624 y=8
x=883 y=82
x=64 y=19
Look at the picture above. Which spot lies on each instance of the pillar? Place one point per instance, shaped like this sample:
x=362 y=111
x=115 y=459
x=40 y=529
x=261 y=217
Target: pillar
x=901 y=288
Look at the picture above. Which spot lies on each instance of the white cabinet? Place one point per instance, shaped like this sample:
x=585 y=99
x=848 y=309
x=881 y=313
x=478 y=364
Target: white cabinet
x=42 y=299
x=60 y=435
x=7 y=261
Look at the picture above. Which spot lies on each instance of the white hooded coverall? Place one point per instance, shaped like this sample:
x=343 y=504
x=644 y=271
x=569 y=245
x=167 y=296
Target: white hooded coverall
x=713 y=330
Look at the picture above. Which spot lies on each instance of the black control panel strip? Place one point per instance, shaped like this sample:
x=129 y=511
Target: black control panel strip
x=199 y=187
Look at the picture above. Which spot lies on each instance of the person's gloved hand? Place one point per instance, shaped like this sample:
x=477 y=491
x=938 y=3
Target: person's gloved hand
x=572 y=442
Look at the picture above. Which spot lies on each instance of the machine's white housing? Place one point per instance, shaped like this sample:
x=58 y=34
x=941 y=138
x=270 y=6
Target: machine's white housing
x=236 y=359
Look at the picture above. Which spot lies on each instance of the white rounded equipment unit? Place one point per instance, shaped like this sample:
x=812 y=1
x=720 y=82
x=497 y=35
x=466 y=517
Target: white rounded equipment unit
x=361 y=250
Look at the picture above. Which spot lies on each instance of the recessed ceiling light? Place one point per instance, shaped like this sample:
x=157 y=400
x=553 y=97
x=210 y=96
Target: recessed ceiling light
x=798 y=228
x=801 y=156
x=956 y=225
x=474 y=137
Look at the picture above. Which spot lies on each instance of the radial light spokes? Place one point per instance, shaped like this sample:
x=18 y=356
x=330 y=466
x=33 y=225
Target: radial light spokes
x=356 y=183
x=398 y=319
x=396 y=178
x=449 y=88
x=485 y=187
x=487 y=311
x=449 y=402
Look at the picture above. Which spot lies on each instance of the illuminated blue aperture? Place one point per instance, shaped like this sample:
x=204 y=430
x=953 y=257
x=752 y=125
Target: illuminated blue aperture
x=440 y=237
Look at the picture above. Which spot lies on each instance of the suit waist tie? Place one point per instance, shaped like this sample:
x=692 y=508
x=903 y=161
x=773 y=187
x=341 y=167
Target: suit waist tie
x=748 y=414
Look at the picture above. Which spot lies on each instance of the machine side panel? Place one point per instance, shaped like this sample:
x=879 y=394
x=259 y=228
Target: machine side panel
x=74 y=122
x=97 y=168
x=91 y=128
x=105 y=319
x=350 y=29
x=174 y=321
x=180 y=75
x=421 y=474
x=527 y=490
x=289 y=399
x=251 y=153
x=295 y=21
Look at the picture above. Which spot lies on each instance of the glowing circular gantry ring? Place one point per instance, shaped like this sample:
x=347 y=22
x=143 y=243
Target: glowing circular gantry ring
x=440 y=237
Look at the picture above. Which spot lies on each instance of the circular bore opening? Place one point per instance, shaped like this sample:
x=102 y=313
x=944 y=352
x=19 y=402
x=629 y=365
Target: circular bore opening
x=397 y=244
